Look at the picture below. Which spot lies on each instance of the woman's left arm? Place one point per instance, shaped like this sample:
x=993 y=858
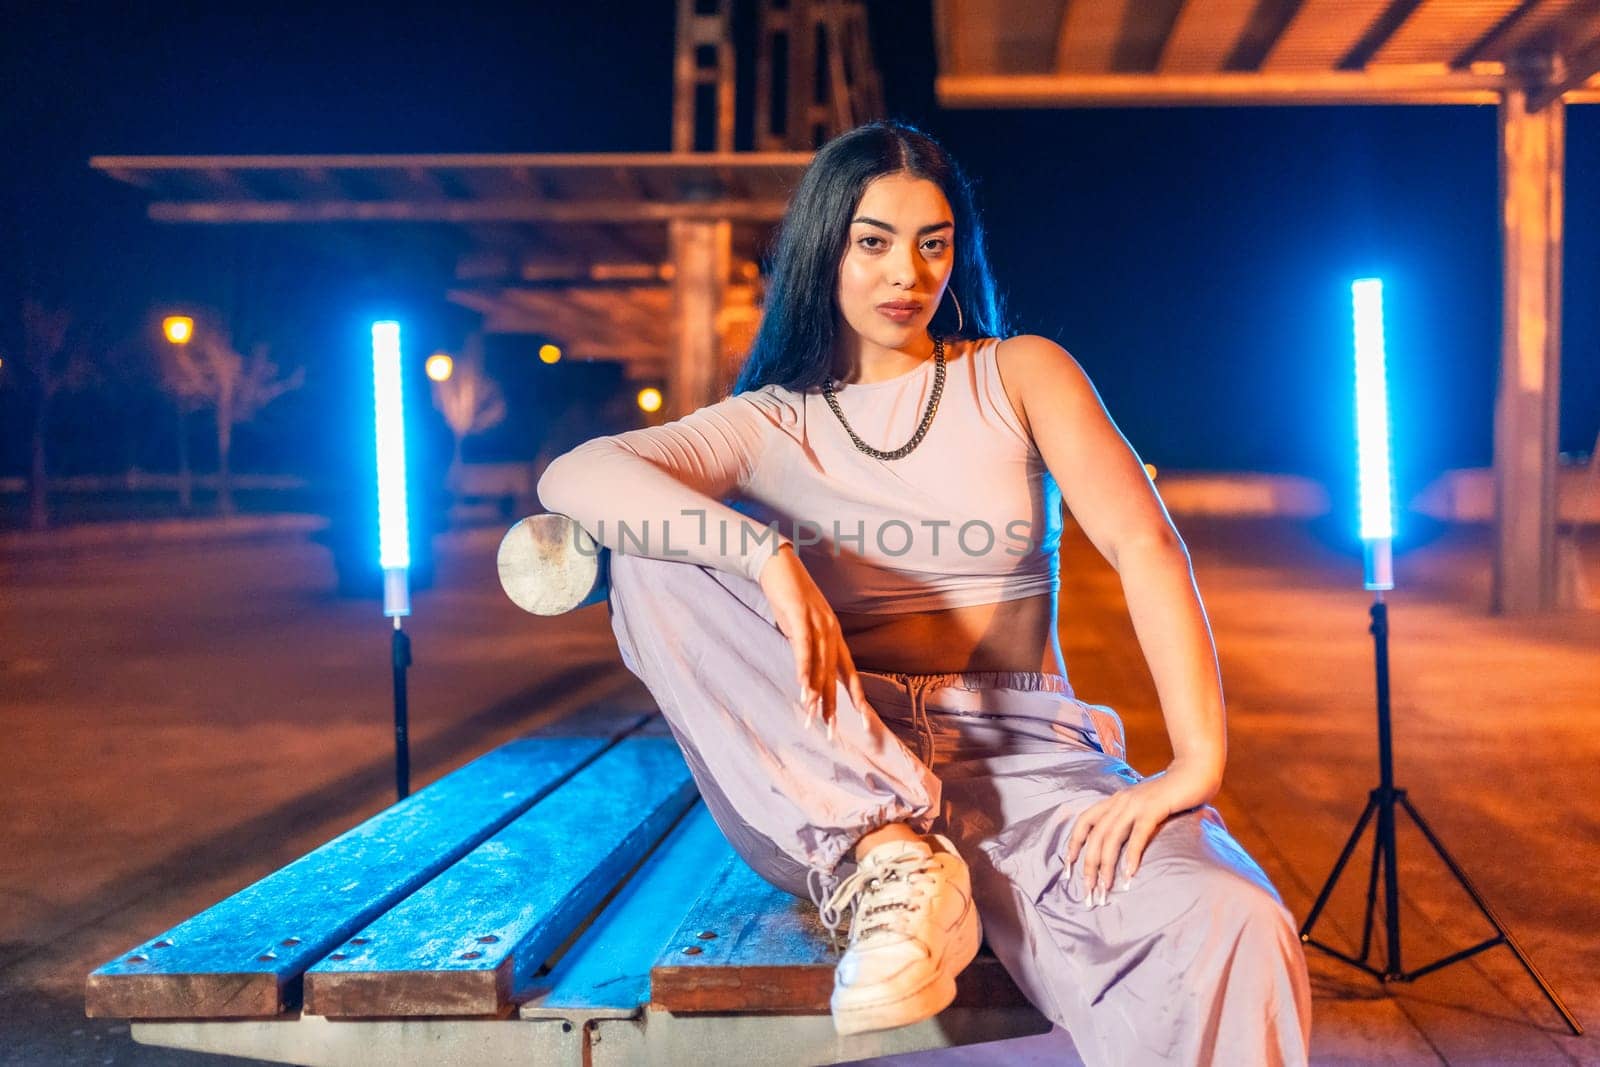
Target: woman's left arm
x=1108 y=492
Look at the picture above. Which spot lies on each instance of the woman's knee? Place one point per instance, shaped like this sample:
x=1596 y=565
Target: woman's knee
x=1245 y=905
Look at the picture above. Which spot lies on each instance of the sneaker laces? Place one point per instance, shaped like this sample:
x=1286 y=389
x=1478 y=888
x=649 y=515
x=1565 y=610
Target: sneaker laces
x=882 y=897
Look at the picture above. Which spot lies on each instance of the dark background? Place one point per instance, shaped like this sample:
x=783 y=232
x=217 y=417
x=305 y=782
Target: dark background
x=1196 y=261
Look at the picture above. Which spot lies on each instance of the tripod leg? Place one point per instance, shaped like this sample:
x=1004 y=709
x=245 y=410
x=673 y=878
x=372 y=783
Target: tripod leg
x=1483 y=905
x=1372 y=898
x=1333 y=876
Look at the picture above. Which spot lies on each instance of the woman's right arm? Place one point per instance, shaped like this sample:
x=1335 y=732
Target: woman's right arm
x=658 y=491
x=665 y=485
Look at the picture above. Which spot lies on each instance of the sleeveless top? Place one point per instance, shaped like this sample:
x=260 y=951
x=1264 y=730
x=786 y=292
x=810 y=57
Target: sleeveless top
x=971 y=516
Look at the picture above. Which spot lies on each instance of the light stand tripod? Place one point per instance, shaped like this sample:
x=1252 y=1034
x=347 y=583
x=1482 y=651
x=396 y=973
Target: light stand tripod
x=1382 y=802
x=1377 y=533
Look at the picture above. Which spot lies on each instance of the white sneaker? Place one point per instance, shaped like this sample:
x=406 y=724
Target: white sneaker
x=913 y=928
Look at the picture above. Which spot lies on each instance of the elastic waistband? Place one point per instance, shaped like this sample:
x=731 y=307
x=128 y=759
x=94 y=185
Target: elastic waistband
x=1025 y=681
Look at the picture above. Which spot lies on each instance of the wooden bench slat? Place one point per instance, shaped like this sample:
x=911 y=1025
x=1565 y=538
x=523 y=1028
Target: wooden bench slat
x=461 y=944
x=607 y=971
x=245 y=955
x=771 y=955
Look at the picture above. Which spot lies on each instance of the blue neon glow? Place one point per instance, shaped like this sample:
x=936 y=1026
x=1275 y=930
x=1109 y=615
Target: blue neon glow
x=394 y=539
x=1375 y=477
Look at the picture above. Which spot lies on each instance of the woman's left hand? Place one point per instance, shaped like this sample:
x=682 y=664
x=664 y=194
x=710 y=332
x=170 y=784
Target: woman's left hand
x=1131 y=817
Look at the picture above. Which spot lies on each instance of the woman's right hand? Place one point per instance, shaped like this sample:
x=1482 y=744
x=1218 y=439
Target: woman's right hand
x=806 y=618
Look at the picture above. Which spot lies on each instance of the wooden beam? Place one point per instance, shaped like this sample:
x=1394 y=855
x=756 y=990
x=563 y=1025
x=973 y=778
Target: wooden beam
x=1266 y=26
x=753 y=161
x=1532 y=149
x=1563 y=35
x=1379 y=34
x=1580 y=67
x=231 y=183
x=628 y=182
x=425 y=183
x=1494 y=36
x=1144 y=35
x=1431 y=85
x=1202 y=36
x=461 y=211
x=1086 y=37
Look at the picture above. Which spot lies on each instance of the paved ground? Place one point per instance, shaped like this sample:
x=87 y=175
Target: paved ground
x=180 y=720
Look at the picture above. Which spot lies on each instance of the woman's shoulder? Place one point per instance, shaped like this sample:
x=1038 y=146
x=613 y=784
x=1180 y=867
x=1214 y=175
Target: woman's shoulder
x=1027 y=348
x=758 y=414
x=1031 y=360
x=1041 y=377
x=778 y=403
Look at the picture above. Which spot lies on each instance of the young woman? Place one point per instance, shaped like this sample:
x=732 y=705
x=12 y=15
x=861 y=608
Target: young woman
x=860 y=661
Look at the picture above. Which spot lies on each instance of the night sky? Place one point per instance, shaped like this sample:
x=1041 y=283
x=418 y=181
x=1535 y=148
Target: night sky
x=1196 y=261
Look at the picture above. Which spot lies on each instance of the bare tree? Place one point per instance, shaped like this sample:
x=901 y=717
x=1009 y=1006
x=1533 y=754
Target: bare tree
x=49 y=359
x=208 y=372
x=470 y=401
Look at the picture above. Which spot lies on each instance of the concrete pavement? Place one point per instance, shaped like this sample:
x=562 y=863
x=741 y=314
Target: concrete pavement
x=181 y=720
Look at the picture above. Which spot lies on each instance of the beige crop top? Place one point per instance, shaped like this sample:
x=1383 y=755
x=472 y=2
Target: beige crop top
x=971 y=516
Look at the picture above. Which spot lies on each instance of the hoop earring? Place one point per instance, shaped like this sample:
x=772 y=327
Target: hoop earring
x=961 y=321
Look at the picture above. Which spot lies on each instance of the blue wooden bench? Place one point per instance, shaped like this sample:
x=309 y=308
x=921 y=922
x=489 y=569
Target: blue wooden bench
x=563 y=899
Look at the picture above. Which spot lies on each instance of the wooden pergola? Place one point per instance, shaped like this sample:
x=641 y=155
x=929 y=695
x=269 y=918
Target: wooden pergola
x=648 y=259
x=1529 y=58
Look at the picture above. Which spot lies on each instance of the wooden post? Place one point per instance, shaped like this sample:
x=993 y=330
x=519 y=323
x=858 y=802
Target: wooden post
x=700 y=254
x=1532 y=148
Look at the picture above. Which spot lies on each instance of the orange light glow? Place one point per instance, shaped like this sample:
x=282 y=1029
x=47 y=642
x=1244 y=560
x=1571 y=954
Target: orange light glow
x=650 y=399
x=178 y=328
x=549 y=353
x=440 y=366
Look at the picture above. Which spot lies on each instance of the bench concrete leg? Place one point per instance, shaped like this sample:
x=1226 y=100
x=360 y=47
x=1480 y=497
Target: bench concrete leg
x=319 y=1042
x=794 y=1040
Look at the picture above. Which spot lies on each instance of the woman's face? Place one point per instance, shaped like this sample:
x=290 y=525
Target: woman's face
x=901 y=251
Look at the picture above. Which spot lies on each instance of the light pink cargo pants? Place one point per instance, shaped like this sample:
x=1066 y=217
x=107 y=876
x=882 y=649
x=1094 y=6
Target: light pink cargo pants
x=1198 y=963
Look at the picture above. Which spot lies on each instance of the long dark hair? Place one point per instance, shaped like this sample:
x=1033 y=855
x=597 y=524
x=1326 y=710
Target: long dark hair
x=794 y=347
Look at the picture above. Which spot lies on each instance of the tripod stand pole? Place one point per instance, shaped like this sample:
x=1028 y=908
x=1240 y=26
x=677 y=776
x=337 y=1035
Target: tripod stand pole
x=1382 y=801
x=1386 y=792
x=400 y=659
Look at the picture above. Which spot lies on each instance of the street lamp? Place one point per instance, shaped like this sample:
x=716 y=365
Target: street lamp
x=439 y=367
x=179 y=330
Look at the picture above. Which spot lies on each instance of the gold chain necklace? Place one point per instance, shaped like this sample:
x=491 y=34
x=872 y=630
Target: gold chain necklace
x=922 y=428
